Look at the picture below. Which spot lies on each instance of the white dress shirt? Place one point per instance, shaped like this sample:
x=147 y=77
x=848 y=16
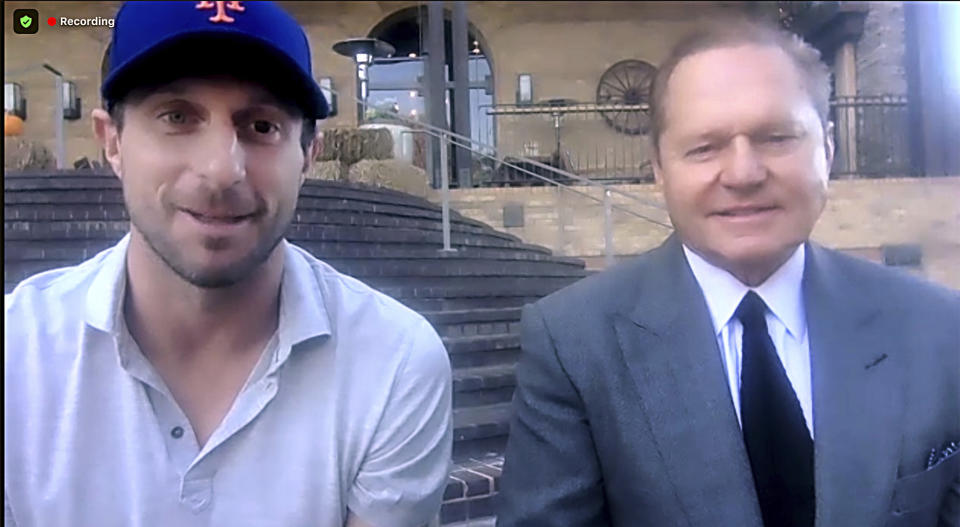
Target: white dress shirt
x=786 y=322
x=349 y=407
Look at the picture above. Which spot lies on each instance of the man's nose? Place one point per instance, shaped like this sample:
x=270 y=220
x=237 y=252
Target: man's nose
x=743 y=165
x=221 y=159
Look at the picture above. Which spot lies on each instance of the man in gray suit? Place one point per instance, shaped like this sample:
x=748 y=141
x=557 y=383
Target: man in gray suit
x=739 y=375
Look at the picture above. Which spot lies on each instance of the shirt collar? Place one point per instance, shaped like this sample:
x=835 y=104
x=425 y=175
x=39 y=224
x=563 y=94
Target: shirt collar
x=303 y=314
x=782 y=291
x=104 y=301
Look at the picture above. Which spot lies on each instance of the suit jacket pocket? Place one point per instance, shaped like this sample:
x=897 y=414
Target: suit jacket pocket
x=925 y=490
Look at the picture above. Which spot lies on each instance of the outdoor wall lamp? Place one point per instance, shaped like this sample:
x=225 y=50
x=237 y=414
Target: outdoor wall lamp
x=14 y=103
x=524 y=89
x=71 y=101
x=326 y=86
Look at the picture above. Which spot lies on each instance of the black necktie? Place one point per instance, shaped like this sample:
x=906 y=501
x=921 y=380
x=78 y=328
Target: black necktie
x=774 y=430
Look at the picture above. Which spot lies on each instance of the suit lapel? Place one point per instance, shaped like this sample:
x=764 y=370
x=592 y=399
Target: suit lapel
x=668 y=343
x=857 y=394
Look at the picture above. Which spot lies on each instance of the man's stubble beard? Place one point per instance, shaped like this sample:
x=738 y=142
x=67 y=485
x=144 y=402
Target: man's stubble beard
x=230 y=275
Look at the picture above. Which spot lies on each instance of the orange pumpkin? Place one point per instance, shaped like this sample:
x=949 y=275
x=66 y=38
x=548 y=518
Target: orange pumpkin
x=12 y=125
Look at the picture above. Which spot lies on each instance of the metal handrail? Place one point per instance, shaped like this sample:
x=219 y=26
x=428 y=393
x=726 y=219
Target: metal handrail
x=570 y=188
x=555 y=183
x=559 y=171
x=551 y=181
x=652 y=204
x=512 y=109
x=468 y=143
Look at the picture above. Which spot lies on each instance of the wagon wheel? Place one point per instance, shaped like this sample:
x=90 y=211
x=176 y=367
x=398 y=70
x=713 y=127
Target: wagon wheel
x=626 y=82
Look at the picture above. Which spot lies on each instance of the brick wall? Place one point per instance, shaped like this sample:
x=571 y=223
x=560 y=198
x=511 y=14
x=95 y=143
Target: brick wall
x=861 y=217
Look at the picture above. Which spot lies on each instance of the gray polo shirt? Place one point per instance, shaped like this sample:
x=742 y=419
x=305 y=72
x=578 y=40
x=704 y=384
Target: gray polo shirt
x=349 y=406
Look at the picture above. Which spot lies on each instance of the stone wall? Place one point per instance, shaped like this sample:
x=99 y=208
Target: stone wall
x=862 y=216
x=77 y=52
x=566 y=46
x=881 y=51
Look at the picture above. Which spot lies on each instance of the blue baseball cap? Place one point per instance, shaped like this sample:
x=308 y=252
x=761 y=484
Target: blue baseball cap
x=156 y=42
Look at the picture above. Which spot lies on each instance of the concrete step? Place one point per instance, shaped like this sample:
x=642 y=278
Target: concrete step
x=98 y=196
x=486 y=521
x=415 y=268
x=403 y=235
x=480 y=430
x=493 y=287
x=15 y=272
x=106 y=181
x=476 y=287
x=305 y=219
x=472 y=322
x=459 y=316
x=440 y=303
x=483 y=350
x=434 y=252
x=481 y=292
x=69 y=221
x=112 y=209
x=479 y=422
x=354 y=255
x=483 y=385
x=40 y=202
x=307 y=225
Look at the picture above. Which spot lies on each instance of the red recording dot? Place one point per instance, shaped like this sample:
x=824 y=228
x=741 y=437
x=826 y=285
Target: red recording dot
x=52 y=21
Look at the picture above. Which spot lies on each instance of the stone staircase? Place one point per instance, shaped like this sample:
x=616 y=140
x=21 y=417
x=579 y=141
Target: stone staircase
x=393 y=241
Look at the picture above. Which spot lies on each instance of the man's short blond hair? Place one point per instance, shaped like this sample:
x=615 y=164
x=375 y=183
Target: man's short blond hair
x=731 y=32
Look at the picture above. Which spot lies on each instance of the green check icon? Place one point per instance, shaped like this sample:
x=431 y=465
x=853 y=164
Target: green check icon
x=25 y=21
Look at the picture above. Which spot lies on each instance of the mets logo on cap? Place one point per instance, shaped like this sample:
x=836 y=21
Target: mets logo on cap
x=150 y=38
x=222 y=8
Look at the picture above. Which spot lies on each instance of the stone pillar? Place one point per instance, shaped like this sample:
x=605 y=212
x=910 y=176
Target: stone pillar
x=436 y=105
x=934 y=86
x=845 y=85
x=461 y=91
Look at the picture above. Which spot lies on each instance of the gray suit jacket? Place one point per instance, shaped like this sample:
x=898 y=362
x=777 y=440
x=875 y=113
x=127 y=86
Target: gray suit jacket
x=623 y=414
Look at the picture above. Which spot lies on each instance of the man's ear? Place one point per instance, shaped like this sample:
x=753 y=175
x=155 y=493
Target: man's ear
x=313 y=152
x=828 y=144
x=653 y=155
x=108 y=135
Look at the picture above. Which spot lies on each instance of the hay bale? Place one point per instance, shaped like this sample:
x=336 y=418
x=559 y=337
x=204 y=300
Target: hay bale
x=391 y=173
x=20 y=154
x=348 y=146
x=325 y=170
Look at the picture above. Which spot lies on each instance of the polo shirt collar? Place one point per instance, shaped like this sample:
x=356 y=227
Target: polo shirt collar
x=103 y=308
x=303 y=314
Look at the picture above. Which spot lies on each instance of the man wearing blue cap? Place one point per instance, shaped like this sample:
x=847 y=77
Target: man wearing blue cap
x=204 y=371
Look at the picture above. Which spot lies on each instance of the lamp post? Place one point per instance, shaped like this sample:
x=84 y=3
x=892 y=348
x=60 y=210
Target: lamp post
x=363 y=51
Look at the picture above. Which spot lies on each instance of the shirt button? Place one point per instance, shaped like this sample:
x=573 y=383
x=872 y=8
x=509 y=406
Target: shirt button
x=177 y=432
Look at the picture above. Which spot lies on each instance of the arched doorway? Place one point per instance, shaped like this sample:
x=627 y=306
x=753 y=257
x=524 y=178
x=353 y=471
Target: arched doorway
x=396 y=83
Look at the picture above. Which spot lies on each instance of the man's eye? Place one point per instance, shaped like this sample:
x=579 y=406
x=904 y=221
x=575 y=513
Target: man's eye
x=264 y=127
x=700 y=150
x=175 y=117
x=775 y=138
